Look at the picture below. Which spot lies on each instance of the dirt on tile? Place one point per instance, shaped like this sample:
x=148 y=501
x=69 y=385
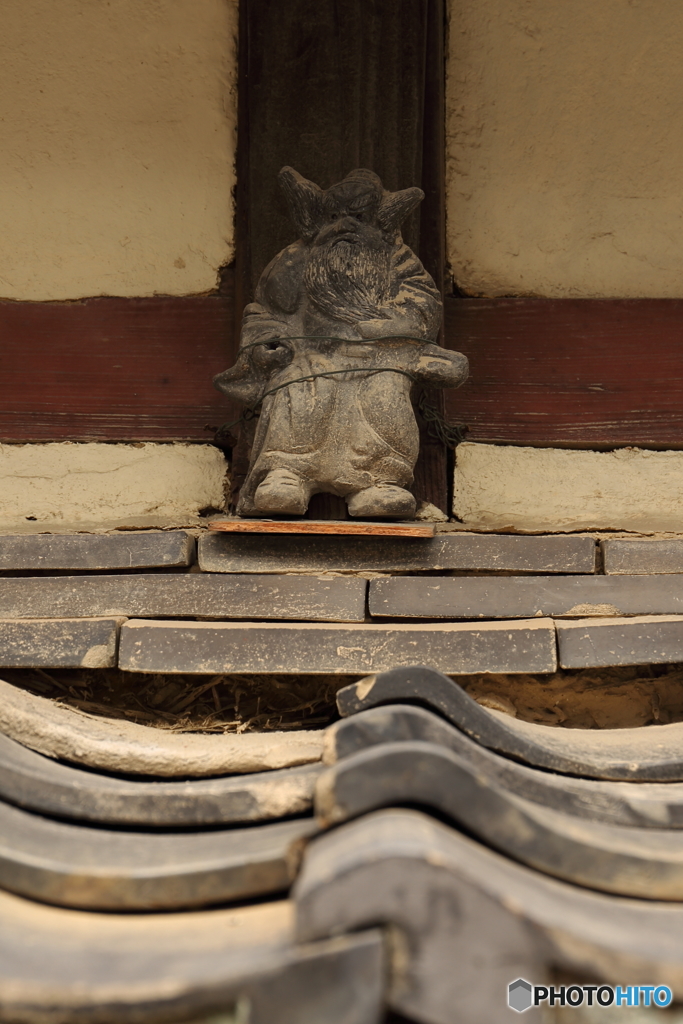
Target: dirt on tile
x=608 y=698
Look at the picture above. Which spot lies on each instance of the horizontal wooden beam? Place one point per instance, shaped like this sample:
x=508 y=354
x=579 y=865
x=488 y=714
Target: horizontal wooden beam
x=569 y=372
x=114 y=369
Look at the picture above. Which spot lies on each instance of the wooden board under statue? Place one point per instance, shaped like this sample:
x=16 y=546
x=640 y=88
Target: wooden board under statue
x=343 y=325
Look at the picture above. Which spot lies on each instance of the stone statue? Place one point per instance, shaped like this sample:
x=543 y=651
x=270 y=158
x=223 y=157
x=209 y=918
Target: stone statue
x=343 y=325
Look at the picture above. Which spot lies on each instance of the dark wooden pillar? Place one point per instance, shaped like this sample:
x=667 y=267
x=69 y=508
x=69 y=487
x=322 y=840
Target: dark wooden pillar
x=329 y=85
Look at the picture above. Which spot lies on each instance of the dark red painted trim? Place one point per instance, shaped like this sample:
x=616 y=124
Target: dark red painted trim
x=574 y=372
x=553 y=372
x=114 y=369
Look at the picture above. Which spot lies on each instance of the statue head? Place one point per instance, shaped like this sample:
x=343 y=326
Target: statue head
x=350 y=231
x=357 y=207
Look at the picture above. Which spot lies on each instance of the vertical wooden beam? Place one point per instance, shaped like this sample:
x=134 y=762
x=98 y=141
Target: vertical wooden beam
x=432 y=243
x=432 y=470
x=243 y=283
x=329 y=85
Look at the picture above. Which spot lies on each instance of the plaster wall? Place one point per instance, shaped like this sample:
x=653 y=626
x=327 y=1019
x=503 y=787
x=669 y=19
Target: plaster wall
x=45 y=486
x=565 y=147
x=531 y=490
x=117 y=140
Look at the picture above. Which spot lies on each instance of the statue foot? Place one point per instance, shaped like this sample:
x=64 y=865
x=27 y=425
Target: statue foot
x=386 y=500
x=283 y=493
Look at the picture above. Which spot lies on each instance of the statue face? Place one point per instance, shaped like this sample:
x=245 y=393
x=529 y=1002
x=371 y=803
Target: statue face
x=352 y=199
x=349 y=214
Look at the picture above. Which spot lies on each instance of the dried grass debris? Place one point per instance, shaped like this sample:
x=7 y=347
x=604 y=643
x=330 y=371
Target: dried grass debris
x=189 y=703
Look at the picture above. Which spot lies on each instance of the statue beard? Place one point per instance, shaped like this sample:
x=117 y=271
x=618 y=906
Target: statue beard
x=348 y=281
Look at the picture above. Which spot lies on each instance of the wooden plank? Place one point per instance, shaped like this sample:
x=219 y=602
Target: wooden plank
x=462 y=551
x=509 y=597
x=345 y=528
x=574 y=372
x=38 y=783
x=643 y=556
x=251 y=647
x=58 y=643
x=186 y=595
x=103 y=869
x=643 y=640
x=115 y=369
x=125 y=550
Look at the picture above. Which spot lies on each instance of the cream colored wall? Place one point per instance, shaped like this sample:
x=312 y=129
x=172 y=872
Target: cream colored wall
x=48 y=487
x=565 y=147
x=117 y=138
x=530 y=490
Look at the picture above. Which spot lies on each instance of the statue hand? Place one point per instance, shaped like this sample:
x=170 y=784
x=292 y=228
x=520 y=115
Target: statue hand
x=394 y=325
x=441 y=367
x=271 y=355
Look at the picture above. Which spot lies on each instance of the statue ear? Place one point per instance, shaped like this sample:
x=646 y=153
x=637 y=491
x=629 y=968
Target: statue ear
x=304 y=200
x=396 y=206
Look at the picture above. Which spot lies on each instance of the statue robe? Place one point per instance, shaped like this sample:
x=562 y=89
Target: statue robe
x=354 y=428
